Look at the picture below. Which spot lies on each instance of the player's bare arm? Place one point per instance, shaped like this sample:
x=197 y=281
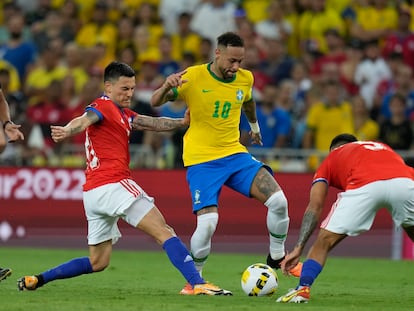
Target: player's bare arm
x=313 y=212
x=75 y=126
x=249 y=109
x=165 y=93
x=160 y=124
x=10 y=129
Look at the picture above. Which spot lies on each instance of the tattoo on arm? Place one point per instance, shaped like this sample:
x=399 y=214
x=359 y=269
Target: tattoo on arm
x=156 y=124
x=309 y=222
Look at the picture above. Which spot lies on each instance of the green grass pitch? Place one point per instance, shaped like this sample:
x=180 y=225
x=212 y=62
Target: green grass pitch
x=144 y=280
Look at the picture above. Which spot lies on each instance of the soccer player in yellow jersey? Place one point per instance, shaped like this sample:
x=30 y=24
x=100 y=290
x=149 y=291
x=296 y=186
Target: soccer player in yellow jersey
x=216 y=93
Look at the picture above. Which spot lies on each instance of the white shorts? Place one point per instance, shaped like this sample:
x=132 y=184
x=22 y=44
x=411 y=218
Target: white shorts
x=106 y=204
x=354 y=210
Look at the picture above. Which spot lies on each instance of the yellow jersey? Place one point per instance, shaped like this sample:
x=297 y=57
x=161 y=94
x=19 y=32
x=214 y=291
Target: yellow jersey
x=215 y=109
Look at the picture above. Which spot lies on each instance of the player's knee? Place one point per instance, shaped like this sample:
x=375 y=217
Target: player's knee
x=277 y=203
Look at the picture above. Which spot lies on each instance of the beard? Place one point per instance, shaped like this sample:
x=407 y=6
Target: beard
x=15 y=35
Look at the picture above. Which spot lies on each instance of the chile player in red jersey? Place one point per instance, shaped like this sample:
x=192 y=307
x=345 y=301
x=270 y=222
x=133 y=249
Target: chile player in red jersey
x=371 y=176
x=109 y=193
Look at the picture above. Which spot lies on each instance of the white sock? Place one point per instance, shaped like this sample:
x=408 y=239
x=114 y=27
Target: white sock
x=277 y=223
x=201 y=239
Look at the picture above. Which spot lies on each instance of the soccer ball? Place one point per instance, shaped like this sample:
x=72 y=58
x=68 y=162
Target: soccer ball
x=259 y=280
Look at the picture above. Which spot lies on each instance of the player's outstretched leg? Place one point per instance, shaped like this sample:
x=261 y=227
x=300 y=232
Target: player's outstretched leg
x=72 y=268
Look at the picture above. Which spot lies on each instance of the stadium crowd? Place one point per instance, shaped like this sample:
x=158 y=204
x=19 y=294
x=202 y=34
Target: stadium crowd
x=321 y=68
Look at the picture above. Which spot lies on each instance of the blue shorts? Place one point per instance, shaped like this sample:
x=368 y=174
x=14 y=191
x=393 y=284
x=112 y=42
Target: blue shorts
x=236 y=171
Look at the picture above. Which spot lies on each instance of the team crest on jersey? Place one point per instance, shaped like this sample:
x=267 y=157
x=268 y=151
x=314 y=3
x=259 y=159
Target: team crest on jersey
x=197 y=197
x=239 y=95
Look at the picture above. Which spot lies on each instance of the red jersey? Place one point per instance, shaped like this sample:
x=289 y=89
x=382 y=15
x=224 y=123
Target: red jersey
x=107 y=144
x=359 y=163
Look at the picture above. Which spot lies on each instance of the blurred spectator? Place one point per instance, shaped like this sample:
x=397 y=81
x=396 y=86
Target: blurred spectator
x=373 y=21
x=365 y=128
x=252 y=62
x=205 y=51
x=148 y=80
x=277 y=64
x=371 y=71
x=14 y=97
x=167 y=64
x=18 y=52
x=313 y=24
x=49 y=110
x=146 y=15
x=46 y=70
x=73 y=61
x=274 y=120
x=13 y=84
x=327 y=118
x=125 y=37
x=275 y=26
x=187 y=60
x=335 y=52
x=311 y=97
x=99 y=31
x=170 y=12
x=9 y=9
x=128 y=55
x=396 y=131
x=51 y=28
x=219 y=13
x=70 y=15
x=301 y=84
x=173 y=143
x=38 y=14
x=246 y=31
x=354 y=54
x=401 y=40
x=403 y=85
x=145 y=52
x=291 y=14
x=255 y=9
x=185 y=40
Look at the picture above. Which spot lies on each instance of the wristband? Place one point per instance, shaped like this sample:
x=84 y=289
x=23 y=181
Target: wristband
x=255 y=127
x=7 y=122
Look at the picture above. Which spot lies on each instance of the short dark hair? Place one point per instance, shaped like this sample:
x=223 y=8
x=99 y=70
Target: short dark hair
x=230 y=39
x=342 y=139
x=115 y=70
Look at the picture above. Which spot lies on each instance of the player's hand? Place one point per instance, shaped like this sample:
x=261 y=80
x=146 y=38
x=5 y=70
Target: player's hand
x=59 y=133
x=290 y=261
x=256 y=138
x=13 y=133
x=174 y=80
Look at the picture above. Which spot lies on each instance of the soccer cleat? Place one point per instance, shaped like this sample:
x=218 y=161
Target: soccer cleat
x=27 y=283
x=4 y=273
x=211 y=290
x=299 y=295
x=296 y=270
x=187 y=290
x=275 y=264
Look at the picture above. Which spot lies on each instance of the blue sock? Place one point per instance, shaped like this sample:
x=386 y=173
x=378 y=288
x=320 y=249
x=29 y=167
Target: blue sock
x=182 y=260
x=310 y=272
x=68 y=269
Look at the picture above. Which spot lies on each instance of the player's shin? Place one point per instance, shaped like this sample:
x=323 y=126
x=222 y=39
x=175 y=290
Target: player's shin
x=201 y=238
x=277 y=223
